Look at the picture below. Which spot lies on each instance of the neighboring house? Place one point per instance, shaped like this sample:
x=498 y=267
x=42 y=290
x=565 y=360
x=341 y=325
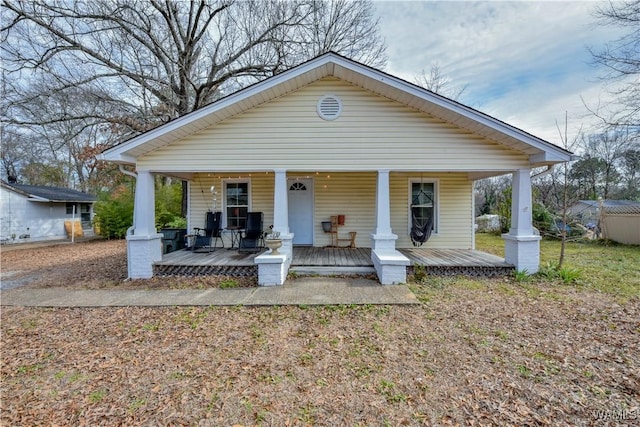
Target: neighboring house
x=329 y=137
x=37 y=212
x=618 y=220
x=587 y=212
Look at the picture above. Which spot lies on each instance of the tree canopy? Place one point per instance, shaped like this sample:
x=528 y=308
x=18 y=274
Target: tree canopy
x=620 y=61
x=81 y=74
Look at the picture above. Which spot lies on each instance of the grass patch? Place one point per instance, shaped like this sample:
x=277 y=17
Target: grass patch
x=610 y=268
x=229 y=284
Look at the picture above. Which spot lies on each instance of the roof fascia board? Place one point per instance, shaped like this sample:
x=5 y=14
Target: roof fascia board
x=34 y=198
x=61 y=201
x=116 y=157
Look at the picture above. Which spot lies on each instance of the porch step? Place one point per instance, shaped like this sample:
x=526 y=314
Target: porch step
x=313 y=270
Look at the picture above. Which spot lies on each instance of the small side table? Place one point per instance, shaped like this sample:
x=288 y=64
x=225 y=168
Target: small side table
x=236 y=233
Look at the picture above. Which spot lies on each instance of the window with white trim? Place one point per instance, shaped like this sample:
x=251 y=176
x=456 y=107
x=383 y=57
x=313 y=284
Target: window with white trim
x=423 y=200
x=236 y=203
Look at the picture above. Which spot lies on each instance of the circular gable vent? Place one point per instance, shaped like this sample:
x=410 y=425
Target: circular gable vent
x=329 y=107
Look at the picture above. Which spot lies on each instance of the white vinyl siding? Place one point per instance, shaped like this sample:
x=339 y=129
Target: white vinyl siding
x=354 y=195
x=371 y=133
x=201 y=199
x=454 y=210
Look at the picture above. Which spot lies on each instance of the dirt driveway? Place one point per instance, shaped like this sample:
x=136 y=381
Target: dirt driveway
x=91 y=264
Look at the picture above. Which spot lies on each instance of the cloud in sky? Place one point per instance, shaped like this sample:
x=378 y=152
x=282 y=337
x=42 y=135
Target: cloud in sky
x=523 y=62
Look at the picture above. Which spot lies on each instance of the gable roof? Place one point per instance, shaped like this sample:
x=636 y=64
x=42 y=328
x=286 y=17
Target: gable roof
x=330 y=64
x=43 y=193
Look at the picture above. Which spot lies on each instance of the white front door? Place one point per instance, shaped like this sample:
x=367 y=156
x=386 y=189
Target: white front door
x=301 y=210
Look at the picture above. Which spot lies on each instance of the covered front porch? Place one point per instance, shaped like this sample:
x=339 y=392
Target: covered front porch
x=333 y=261
x=374 y=212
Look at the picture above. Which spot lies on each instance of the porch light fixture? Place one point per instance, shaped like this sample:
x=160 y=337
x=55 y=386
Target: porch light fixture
x=214 y=193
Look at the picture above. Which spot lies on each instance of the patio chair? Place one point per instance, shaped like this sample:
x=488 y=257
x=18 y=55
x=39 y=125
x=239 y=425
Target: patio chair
x=252 y=239
x=207 y=238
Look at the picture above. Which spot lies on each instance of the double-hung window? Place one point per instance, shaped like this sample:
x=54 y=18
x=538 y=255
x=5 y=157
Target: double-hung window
x=423 y=202
x=237 y=203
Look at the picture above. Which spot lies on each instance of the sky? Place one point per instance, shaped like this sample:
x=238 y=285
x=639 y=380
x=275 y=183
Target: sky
x=525 y=63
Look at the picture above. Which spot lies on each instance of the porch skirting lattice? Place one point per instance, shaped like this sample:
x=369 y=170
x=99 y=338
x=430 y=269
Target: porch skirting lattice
x=436 y=262
x=205 y=270
x=221 y=262
x=454 y=262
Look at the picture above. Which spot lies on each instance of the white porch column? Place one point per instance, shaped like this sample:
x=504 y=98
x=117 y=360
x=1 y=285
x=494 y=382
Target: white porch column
x=390 y=265
x=144 y=246
x=144 y=205
x=522 y=245
x=383 y=237
x=280 y=203
x=273 y=269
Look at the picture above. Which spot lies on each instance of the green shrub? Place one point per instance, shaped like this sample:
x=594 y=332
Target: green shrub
x=521 y=275
x=168 y=204
x=419 y=273
x=567 y=274
x=114 y=213
x=542 y=218
x=178 y=222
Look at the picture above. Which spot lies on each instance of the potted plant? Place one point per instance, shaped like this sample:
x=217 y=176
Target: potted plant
x=273 y=242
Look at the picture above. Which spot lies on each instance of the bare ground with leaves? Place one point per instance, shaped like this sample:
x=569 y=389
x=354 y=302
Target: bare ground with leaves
x=95 y=264
x=475 y=352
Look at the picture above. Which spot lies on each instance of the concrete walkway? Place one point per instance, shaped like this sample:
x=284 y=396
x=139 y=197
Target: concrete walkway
x=302 y=291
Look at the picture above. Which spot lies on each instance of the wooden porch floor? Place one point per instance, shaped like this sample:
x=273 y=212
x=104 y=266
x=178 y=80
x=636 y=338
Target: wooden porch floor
x=231 y=262
x=453 y=262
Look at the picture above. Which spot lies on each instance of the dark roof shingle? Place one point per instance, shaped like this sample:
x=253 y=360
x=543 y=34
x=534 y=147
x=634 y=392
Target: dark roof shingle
x=53 y=194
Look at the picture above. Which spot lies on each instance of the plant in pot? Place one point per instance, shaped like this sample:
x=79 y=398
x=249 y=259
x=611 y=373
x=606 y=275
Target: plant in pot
x=273 y=242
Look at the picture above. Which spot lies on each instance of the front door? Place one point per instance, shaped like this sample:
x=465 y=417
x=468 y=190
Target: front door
x=301 y=210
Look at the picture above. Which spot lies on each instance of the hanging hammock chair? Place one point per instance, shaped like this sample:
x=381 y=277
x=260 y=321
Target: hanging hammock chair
x=421 y=227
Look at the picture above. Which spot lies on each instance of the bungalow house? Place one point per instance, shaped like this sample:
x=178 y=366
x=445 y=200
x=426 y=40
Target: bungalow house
x=39 y=212
x=335 y=137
